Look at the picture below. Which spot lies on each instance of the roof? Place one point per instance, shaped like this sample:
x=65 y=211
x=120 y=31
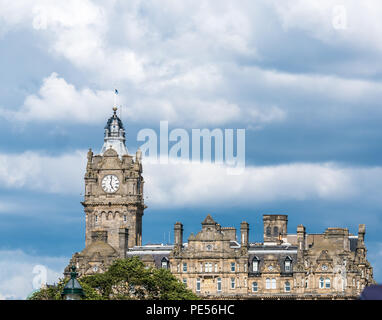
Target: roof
x=103 y=248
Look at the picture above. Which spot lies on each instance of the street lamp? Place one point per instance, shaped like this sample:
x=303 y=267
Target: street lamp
x=73 y=289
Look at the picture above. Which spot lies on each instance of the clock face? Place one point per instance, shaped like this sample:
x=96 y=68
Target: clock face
x=270 y=268
x=110 y=183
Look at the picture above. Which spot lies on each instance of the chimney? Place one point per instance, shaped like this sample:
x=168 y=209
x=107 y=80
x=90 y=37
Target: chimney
x=123 y=241
x=178 y=234
x=300 y=240
x=244 y=231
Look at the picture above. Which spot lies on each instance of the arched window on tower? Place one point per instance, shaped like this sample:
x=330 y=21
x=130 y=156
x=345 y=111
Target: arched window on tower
x=275 y=231
x=268 y=231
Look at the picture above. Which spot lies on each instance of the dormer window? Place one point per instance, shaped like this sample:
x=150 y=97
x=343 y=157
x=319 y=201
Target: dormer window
x=164 y=263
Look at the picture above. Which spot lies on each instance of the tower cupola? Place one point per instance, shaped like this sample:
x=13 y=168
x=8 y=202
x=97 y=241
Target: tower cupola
x=115 y=136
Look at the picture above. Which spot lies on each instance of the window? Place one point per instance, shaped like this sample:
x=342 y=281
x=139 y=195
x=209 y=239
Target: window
x=268 y=283
x=287 y=286
x=233 y=283
x=184 y=267
x=209 y=247
x=275 y=231
x=201 y=267
x=255 y=264
x=185 y=282
x=268 y=232
x=321 y=283
x=96 y=219
x=233 y=265
x=219 y=285
x=216 y=267
x=164 y=263
x=254 y=287
x=208 y=267
x=125 y=218
x=273 y=283
x=198 y=285
x=288 y=264
x=327 y=283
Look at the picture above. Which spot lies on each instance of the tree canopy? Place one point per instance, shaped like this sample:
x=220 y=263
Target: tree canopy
x=125 y=279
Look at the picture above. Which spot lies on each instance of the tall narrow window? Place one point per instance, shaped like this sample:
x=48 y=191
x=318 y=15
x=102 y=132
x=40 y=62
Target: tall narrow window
x=96 y=219
x=275 y=231
x=185 y=282
x=198 y=285
x=233 y=266
x=288 y=264
x=219 y=285
x=273 y=283
x=268 y=231
x=321 y=283
x=184 y=267
x=233 y=283
x=268 y=283
x=216 y=267
x=201 y=267
x=254 y=287
x=255 y=264
x=124 y=218
x=327 y=283
x=287 y=286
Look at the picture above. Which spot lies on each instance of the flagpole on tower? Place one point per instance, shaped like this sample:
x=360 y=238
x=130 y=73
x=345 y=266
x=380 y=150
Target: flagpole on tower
x=115 y=98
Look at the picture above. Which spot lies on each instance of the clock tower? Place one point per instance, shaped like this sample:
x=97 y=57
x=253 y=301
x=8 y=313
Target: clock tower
x=114 y=191
x=113 y=201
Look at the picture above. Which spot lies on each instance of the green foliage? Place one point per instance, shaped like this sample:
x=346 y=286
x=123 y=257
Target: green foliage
x=54 y=292
x=124 y=280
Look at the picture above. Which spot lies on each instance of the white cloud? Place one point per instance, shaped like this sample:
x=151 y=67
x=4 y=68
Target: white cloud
x=209 y=184
x=195 y=184
x=31 y=170
x=60 y=101
x=19 y=276
x=363 y=27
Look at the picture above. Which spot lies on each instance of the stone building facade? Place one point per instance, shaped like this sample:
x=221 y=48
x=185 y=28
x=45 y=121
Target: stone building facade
x=213 y=263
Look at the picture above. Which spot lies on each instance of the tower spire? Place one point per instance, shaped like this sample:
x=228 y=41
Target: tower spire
x=115 y=132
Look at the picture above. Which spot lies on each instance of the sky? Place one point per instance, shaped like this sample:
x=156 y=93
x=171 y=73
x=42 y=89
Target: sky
x=303 y=78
